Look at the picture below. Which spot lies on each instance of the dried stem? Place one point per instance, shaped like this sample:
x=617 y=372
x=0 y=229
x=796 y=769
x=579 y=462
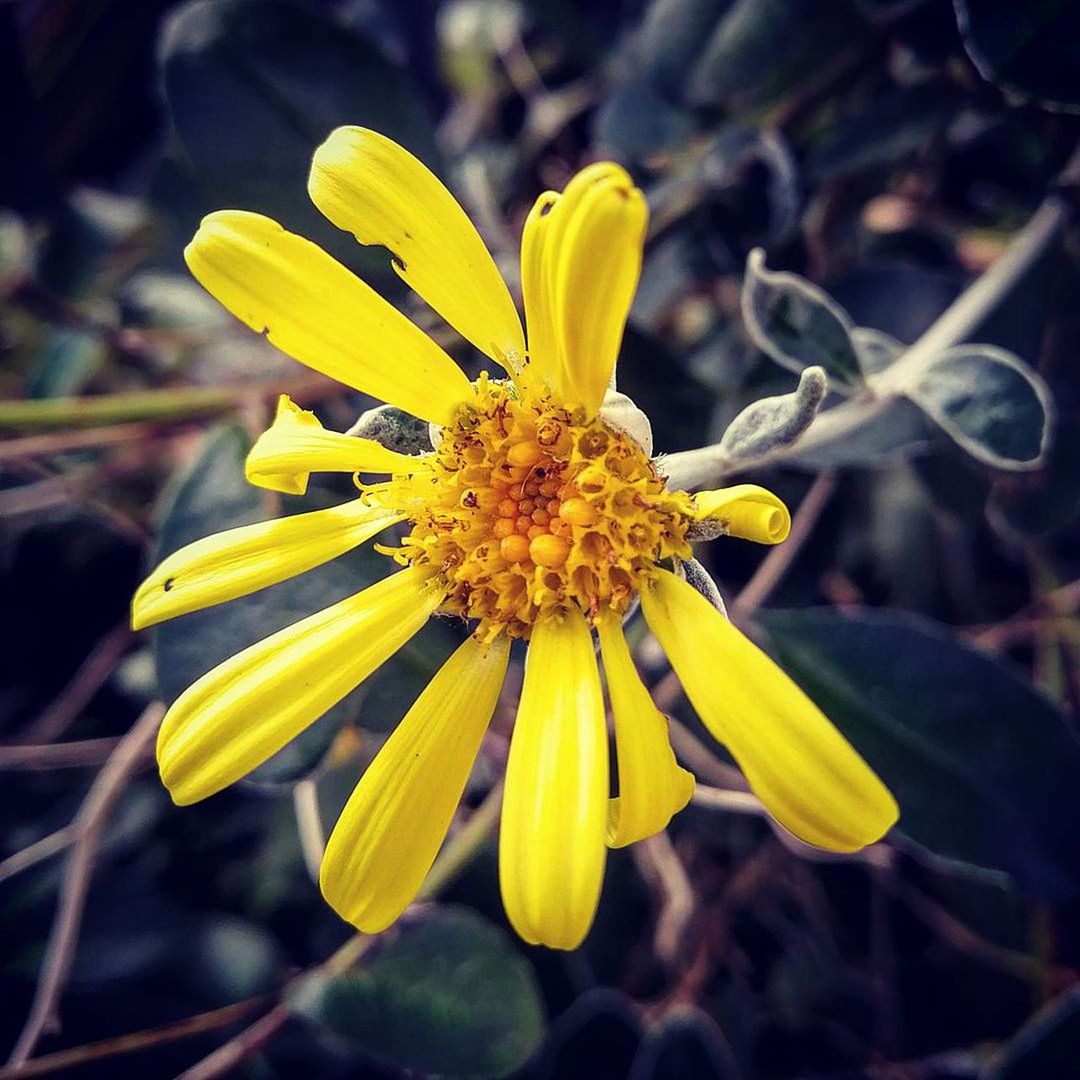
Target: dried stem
x=37 y=852
x=134 y=1041
x=90 y=823
x=57 y=755
x=661 y=864
x=776 y=564
x=85 y=683
x=309 y=825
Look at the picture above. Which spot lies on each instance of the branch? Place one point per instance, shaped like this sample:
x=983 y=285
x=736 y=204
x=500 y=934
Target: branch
x=58 y=755
x=89 y=823
x=707 y=464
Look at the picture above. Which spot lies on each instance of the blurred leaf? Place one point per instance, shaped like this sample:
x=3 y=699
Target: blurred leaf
x=876 y=350
x=596 y=1038
x=254 y=86
x=1046 y=1047
x=671 y=37
x=14 y=251
x=170 y=302
x=94 y=233
x=982 y=765
x=66 y=360
x=883 y=133
x=637 y=121
x=989 y=403
x=798 y=324
x=446 y=993
x=1043 y=502
x=686 y=1044
x=1031 y=49
x=211 y=496
x=760 y=48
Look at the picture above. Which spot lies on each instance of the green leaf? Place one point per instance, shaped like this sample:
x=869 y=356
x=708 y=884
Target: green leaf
x=989 y=403
x=254 y=86
x=983 y=766
x=798 y=324
x=1047 y=1046
x=212 y=495
x=1030 y=49
x=760 y=48
x=446 y=993
x=898 y=430
x=65 y=362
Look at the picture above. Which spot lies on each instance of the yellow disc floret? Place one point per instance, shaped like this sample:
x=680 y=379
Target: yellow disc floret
x=530 y=508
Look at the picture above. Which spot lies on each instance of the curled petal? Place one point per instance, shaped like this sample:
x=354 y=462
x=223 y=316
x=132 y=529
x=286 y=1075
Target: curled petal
x=746 y=510
x=312 y=308
x=296 y=445
x=805 y=772
x=241 y=561
x=246 y=709
x=392 y=826
x=551 y=854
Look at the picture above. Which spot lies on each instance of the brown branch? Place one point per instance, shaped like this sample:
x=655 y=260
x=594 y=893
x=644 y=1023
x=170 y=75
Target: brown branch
x=662 y=867
x=85 y=683
x=40 y=850
x=90 y=823
x=238 y=1050
x=57 y=755
x=132 y=1042
x=777 y=563
x=66 y=442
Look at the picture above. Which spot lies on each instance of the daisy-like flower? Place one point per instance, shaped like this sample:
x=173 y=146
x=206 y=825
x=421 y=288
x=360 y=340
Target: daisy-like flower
x=539 y=515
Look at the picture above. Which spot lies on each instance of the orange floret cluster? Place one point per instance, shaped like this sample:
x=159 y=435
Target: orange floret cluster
x=529 y=508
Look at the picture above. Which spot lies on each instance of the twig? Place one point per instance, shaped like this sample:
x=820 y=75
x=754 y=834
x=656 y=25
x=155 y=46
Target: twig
x=661 y=864
x=739 y=802
x=309 y=825
x=237 y=1050
x=777 y=563
x=40 y=850
x=85 y=683
x=66 y=442
x=57 y=755
x=134 y=1041
x=90 y=823
x=171 y=405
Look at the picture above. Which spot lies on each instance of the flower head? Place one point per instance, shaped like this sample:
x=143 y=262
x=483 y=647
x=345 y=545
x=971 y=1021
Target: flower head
x=537 y=516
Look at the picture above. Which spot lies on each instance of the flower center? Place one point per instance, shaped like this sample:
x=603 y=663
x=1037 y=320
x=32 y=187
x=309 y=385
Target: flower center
x=530 y=508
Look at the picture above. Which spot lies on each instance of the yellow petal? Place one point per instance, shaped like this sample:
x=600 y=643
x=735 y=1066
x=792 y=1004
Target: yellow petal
x=240 y=561
x=551 y=853
x=591 y=249
x=246 y=709
x=805 y=772
x=545 y=358
x=296 y=445
x=319 y=313
x=652 y=785
x=746 y=511
x=392 y=826
x=370 y=186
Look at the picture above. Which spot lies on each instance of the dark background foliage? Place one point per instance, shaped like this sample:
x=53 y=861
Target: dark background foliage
x=884 y=150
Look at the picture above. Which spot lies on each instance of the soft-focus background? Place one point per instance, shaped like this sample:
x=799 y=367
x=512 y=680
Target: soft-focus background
x=885 y=150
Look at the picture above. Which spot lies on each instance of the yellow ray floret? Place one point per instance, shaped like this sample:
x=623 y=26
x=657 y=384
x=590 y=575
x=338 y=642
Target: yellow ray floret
x=653 y=787
x=319 y=313
x=746 y=511
x=246 y=709
x=551 y=847
x=370 y=186
x=296 y=445
x=391 y=828
x=805 y=772
x=240 y=561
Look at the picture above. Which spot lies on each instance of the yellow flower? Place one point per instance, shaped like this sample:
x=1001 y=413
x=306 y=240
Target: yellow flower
x=534 y=518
